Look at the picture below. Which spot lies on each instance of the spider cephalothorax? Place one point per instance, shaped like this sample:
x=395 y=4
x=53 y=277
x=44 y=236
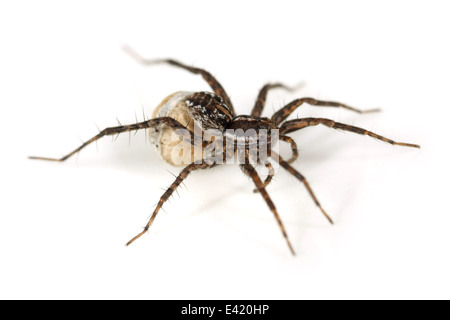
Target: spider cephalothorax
x=200 y=130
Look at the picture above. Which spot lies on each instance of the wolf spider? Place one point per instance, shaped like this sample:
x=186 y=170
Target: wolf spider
x=215 y=110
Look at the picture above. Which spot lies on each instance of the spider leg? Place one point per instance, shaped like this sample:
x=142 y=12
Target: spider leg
x=286 y=111
x=250 y=171
x=294 y=125
x=179 y=179
x=137 y=126
x=269 y=177
x=261 y=100
x=293 y=147
x=209 y=78
x=300 y=177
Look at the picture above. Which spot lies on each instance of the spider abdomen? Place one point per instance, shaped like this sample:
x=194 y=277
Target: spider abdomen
x=209 y=110
x=167 y=143
x=197 y=111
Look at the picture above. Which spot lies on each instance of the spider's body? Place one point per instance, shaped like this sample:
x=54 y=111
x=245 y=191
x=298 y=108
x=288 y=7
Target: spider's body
x=201 y=130
x=209 y=110
x=206 y=111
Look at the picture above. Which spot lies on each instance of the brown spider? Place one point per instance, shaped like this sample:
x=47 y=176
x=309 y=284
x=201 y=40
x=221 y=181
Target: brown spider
x=206 y=111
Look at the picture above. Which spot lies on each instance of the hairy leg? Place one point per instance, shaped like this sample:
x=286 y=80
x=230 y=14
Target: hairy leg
x=294 y=125
x=209 y=78
x=179 y=179
x=249 y=170
x=300 y=177
x=137 y=126
x=261 y=100
x=293 y=147
x=269 y=177
x=286 y=111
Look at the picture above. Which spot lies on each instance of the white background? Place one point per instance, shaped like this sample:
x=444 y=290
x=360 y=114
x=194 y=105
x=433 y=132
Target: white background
x=63 y=226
